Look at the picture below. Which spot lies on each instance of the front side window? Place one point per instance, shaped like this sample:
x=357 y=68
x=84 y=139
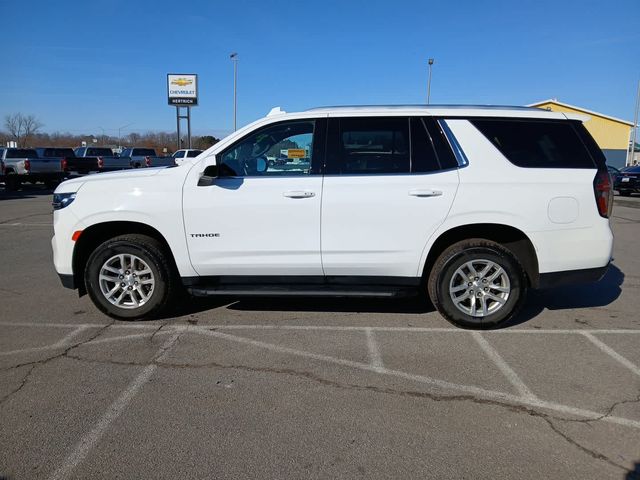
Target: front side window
x=278 y=150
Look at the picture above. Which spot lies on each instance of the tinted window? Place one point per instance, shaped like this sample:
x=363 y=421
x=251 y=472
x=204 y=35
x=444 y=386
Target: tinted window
x=56 y=152
x=144 y=152
x=441 y=145
x=99 y=152
x=178 y=154
x=374 y=145
x=282 y=149
x=22 y=153
x=193 y=153
x=635 y=169
x=79 y=151
x=423 y=156
x=536 y=143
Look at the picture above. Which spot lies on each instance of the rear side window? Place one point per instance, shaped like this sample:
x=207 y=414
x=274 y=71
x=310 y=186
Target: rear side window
x=537 y=143
x=374 y=145
x=193 y=153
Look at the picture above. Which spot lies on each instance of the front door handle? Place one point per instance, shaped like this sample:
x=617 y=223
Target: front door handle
x=299 y=194
x=427 y=192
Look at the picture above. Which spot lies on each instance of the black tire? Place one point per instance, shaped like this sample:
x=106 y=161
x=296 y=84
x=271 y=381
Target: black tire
x=12 y=182
x=152 y=253
x=457 y=255
x=625 y=193
x=51 y=184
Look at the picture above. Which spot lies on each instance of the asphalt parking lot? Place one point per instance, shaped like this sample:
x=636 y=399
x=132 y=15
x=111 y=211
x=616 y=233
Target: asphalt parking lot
x=314 y=389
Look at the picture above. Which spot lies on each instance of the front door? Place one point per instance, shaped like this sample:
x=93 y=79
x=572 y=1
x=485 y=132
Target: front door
x=262 y=215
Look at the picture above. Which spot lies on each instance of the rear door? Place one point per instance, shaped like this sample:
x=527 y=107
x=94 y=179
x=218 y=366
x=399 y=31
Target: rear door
x=389 y=184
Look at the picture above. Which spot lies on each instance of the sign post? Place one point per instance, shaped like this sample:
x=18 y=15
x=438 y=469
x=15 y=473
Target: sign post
x=182 y=91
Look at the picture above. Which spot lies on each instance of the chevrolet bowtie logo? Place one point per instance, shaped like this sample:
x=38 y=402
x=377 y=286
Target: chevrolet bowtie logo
x=181 y=82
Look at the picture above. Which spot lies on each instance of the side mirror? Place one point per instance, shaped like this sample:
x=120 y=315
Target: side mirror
x=208 y=176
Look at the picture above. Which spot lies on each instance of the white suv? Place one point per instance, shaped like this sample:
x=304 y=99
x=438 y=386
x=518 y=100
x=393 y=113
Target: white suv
x=471 y=204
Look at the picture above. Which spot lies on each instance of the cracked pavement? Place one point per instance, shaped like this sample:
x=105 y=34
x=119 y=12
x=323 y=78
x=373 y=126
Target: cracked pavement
x=301 y=389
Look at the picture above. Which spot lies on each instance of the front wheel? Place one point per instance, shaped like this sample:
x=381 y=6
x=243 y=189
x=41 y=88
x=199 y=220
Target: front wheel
x=477 y=283
x=130 y=278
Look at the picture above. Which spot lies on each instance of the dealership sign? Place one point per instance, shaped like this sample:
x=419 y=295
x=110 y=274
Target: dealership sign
x=182 y=89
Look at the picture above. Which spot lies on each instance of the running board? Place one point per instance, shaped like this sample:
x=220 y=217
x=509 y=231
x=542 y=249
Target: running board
x=301 y=291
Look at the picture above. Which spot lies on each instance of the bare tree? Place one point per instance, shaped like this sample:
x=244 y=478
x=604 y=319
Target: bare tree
x=22 y=127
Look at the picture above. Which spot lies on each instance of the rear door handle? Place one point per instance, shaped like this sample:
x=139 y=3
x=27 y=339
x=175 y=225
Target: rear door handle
x=427 y=192
x=299 y=194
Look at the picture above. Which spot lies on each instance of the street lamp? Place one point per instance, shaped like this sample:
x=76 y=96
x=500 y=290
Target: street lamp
x=119 y=129
x=234 y=58
x=429 y=82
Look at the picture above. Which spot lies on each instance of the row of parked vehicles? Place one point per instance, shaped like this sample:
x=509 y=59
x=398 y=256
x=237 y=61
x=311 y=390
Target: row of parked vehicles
x=51 y=165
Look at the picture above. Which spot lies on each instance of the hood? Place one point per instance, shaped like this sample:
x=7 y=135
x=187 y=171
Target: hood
x=73 y=185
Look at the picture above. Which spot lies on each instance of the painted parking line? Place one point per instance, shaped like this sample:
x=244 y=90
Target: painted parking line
x=62 y=343
x=612 y=353
x=503 y=366
x=478 y=392
x=89 y=440
x=460 y=331
x=375 y=359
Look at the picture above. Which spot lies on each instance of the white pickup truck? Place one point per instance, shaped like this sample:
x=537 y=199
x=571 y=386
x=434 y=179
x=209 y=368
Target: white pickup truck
x=22 y=165
x=180 y=156
x=470 y=205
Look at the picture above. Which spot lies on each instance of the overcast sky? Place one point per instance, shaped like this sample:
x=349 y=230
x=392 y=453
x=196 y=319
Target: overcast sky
x=84 y=66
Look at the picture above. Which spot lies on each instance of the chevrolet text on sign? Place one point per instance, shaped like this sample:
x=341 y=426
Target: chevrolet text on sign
x=182 y=89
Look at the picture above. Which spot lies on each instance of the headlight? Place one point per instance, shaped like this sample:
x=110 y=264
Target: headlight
x=61 y=200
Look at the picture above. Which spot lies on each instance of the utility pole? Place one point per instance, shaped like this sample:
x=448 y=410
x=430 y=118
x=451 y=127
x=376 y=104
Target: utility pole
x=634 y=130
x=429 y=82
x=122 y=128
x=234 y=58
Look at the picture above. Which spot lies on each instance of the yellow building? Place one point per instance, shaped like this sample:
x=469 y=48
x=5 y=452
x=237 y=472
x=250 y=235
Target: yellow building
x=611 y=134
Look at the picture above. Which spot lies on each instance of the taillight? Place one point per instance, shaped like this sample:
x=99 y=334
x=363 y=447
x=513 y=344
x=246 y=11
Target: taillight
x=64 y=165
x=603 y=191
x=100 y=162
x=27 y=165
x=147 y=161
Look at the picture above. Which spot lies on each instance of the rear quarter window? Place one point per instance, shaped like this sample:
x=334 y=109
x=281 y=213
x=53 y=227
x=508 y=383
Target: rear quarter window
x=539 y=143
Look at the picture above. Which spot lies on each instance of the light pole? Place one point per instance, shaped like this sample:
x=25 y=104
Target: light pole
x=429 y=82
x=103 y=135
x=122 y=128
x=234 y=58
x=634 y=130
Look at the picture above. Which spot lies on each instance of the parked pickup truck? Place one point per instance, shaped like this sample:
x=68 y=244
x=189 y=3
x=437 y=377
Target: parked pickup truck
x=20 y=165
x=146 y=157
x=95 y=159
x=184 y=154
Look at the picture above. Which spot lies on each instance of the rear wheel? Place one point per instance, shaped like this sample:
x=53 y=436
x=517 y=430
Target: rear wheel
x=12 y=182
x=477 y=283
x=130 y=278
